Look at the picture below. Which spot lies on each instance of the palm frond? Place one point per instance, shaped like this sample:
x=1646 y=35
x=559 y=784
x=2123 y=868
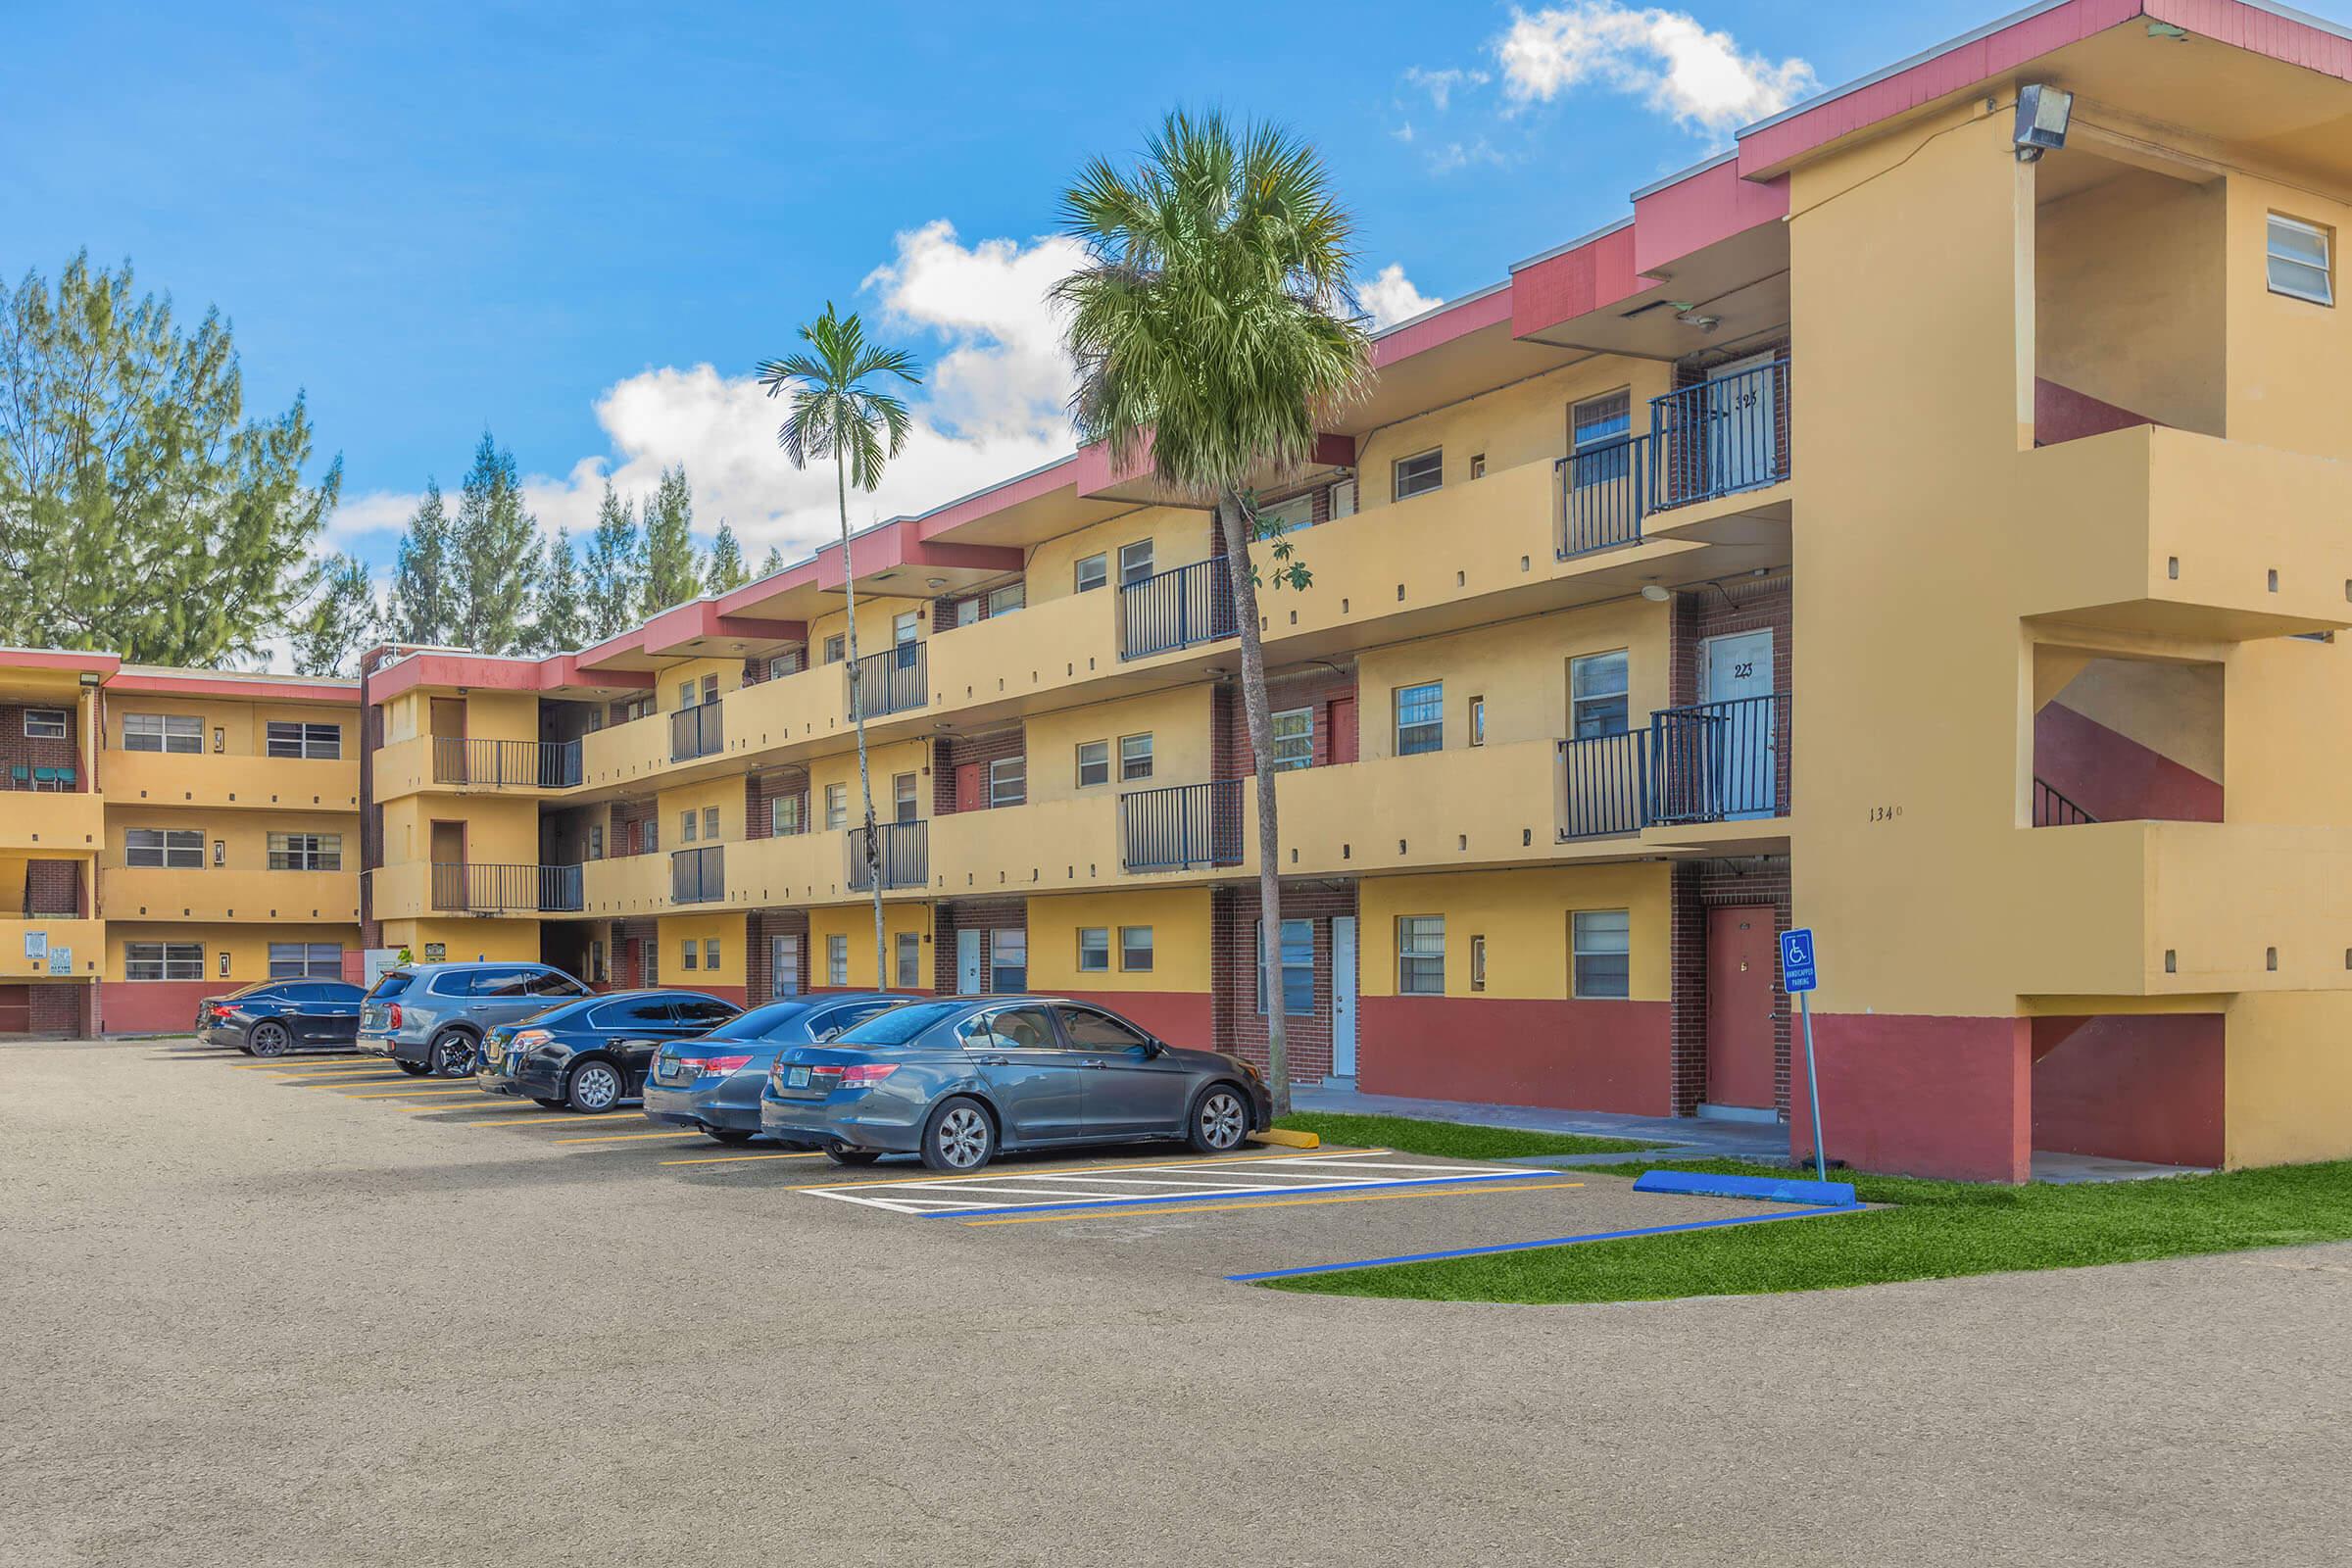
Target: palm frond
x=831 y=407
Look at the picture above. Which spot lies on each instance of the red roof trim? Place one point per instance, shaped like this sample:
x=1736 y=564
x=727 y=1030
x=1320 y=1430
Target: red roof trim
x=220 y=685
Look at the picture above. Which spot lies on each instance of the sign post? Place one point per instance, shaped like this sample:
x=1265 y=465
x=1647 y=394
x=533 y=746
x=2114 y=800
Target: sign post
x=1799 y=978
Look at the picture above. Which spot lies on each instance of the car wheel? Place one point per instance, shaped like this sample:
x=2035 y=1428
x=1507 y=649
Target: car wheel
x=841 y=1153
x=415 y=1069
x=1220 y=1120
x=452 y=1054
x=595 y=1088
x=958 y=1136
x=730 y=1135
x=542 y=1100
x=269 y=1040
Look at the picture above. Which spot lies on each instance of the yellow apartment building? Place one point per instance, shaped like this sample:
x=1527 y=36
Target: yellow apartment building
x=168 y=835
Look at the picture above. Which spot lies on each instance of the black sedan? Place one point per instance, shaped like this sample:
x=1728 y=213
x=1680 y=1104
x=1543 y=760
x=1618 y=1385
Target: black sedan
x=271 y=1018
x=591 y=1054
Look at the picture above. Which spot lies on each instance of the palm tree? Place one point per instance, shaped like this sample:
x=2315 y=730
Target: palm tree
x=839 y=411
x=1215 y=325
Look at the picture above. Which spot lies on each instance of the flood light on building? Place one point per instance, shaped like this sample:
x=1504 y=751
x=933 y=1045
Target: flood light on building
x=2042 y=114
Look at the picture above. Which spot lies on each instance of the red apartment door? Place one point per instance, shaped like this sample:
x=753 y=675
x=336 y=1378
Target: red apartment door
x=968 y=780
x=1742 y=950
x=1343 y=730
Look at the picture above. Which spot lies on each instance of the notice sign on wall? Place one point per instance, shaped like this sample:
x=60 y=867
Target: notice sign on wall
x=36 y=944
x=61 y=960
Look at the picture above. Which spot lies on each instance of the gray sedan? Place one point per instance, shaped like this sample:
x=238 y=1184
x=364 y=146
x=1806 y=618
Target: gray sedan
x=958 y=1080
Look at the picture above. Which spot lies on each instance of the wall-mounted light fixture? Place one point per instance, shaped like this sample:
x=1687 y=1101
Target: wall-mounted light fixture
x=2042 y=114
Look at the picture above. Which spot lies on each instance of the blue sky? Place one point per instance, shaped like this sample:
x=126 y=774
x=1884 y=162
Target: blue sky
x=580 y=225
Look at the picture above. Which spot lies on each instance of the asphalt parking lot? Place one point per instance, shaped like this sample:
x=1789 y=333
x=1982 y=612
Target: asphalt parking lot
x=312 y=1312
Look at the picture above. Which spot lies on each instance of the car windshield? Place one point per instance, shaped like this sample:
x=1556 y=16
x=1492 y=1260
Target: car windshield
x=900 y=1024
x=394 y=982
x=759 y=1022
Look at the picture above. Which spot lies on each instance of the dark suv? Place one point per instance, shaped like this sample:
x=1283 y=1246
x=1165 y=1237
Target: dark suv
x=430 y=1017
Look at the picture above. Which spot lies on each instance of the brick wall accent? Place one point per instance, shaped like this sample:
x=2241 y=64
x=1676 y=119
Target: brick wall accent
x=1744 y=604
x=759 y=789
x=52 y=888
x=762 y=927
x=626 y=836
x=755 y=669
x=952 y=752
x=20 y=750
x=944 y=607
x=1314 y=688
x=1697 y=887
x=970 y=914
x=1233 y=974
x=629 y=940
x=59 y=1009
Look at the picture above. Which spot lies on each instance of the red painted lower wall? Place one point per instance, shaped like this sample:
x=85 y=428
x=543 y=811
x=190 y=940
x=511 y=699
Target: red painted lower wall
x=154 y=1007
x=1179 y=1017
x=1568 y=1056
x=2132 y=1088
x=1920 y=1096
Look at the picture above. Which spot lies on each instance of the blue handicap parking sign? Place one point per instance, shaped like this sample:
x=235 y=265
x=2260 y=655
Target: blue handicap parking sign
x=1796 y=961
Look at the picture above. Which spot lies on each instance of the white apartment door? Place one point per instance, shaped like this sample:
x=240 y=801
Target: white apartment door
x=1742 y=755
x=1743 y=424
x=968 y=949
x=1342 y=995
x=784 y=967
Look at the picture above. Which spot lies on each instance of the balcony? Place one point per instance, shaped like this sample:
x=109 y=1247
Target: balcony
x=501 y=765
x=1604 y=785
x=470 y=888
x=895 y=680
x=1180 y=608
x=218 y=893
x=1181 y=828
x=697 y=731
x=215 y=778
x=1603 y=493
x=699 y=875
x=903 y=856
x=56 y=821
x=1720 y=437
x=1705 y=763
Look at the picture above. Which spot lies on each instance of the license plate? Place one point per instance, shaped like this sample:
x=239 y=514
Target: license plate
x=674 y=1071
x=796 y=1077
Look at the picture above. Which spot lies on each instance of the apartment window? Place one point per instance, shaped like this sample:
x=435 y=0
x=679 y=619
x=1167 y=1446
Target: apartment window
x=1296 y=960
x=903 y=629
x=784 y=966
x=1478 y=464
x=833 y=648
x=1094 y=949
x=1008 y=961
x=687 y=822
x=1596 y=432
x=1419 y=473
x=787 y=814
x=1007 y=599
x=1094 y=763
x=837 y=806
x=163 y=960
x=1478 y=964
x=173 y=847
x=652 y=827
x=1134 y=756
x=49 y=724
x=596 y=959
x=1134 y=561
x=688 y=952
x=967 y=612
x=837 y=960
x=1286 y=516
x=709 y=822
x=685 y=693
x=596 y=841
x=1293 y=739
x=304 y=960
x=1135 y=948
x=787 y=662
x=710 y=688
x=1478 y=721
x=1342 y=500
x=1420 y=954
x=1602 y=942
x=1007 y=781
x=902 y=794
x=653 y=964
x=1420 y=718
x=322 y=742
x=911 y=960
x=1596 y=695
x=305 y=852
x=2300 y=261
x=1093 y=573
x=709 y=953
x=162 y=732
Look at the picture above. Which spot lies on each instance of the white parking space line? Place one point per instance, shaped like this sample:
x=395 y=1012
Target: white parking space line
x=1002 y=1191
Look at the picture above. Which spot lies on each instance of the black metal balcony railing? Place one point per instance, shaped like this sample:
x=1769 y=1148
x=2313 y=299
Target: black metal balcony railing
x=1604 y=784
x=465 y=887
x=892 y=681
x=1179 y=608
x=696 y=732
x=905 y=855
x=1181 y=827
x=537 y=765
x=2053 y=809
x=699 y=875
x=1720 y=761
x=1603 y=492
x=1723 y=435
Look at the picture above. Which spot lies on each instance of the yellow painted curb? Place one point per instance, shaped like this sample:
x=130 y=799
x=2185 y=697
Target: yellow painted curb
x=1288 y=1139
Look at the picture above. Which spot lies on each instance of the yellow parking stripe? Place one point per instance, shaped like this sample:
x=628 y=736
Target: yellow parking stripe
x=347 y=1076
x=511 y=1121
x=729 y=1159
x=403 y=1094
x=625 y=1137
x=282 y=1065
x=1285 y=1203
x=1000 y=1172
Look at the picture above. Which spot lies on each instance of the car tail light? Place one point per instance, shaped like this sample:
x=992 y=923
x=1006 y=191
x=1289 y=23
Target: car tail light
x=392 y=1018
x=720 y=1067
x=865 y=1074
x=529 y=1038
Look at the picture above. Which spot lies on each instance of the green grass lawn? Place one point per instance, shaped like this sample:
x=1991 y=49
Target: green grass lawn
x=1453 y=1139
x=1940 y=1230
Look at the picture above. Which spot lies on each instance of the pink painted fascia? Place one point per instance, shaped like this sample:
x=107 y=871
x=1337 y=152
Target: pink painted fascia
x=1055 y=476
x=1442 y=325
x=60 y=659
x=2258 y=31
x=1573 y=283
x=1096 y=470
x=480 y=673
x=1712 y=205
x=156 y=684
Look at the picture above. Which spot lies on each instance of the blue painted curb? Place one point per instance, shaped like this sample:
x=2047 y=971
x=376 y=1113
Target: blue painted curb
x=1765 y=1189
x=1523 y=1247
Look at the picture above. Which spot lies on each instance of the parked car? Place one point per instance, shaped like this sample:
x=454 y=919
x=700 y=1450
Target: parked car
x=431 y=1017
x=593 y=1053
x=712 y=1081
x=271 y=1018
x=959 y=1079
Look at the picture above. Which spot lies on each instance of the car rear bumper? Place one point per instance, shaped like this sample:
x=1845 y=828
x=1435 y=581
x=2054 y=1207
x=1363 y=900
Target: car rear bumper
x=713 y=1107
x=222 y=1034
x=823 y=1121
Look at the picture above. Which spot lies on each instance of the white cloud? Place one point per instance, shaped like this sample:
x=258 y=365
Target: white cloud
x=1667 y=57
x=1441 y=84
x=1389 y=297
x=1461 y=155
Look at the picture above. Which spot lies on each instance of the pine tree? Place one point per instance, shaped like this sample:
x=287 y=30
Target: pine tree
x=342 y=619
x=725 y=569
x=424 y=609
x=613 y=590
x=562 y=624
x=671 y=573
x=497 y=552
x=139 y=511
x=774 y=562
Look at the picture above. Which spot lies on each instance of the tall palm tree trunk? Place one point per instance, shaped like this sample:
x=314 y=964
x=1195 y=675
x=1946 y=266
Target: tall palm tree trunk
x=865 y=780
x=1233 y=518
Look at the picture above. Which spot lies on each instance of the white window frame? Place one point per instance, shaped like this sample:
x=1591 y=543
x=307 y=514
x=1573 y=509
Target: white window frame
x=43 y=717
x=836 y=808
x=1435 y=722
x=787 y=814
x=791 y=662
x=596 y=841
x=907 y=953
x=1287 y=515
x=710 y=953
x=1007 y=781
x=1007 y=940
x=175 y=849
x=1420 y=943
x=1342 y=500
x=837 y=960
x=836 y=648
x=1586 y=943
x=1135 y=941
x=2274 y=259
x=784 y=964
x=305 y=851
x=688 y=952
x=306 y=960
x=1094 y=950
x=905 y=798
x=169 y=960
x=1294 y=747
x=689 y=824
x=296 y=738
x=1100 y=762
x=1090 y=573
x=1621 y=695
x=1005 y=598
x=710 y=823
x=1134 y=756
x=1284 y=949
x=1428 y=473
x=1128 y=560
x=165 y=730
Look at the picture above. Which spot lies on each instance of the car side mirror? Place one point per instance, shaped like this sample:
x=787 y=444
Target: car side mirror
x=1153 y=1048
